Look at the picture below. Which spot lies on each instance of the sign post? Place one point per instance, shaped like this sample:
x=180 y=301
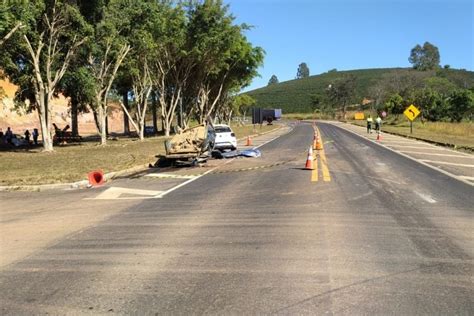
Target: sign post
x=411 y=113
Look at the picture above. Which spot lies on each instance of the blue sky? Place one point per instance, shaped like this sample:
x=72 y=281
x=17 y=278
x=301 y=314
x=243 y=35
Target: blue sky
x=354 y=34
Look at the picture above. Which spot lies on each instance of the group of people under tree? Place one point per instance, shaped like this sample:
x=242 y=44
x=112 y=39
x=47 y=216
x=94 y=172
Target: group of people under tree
x=9 y=138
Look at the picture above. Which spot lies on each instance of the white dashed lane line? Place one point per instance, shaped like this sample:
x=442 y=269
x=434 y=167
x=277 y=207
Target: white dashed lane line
x=448 y=163
x=463 y=171
x=436 y=154
x=170 y=176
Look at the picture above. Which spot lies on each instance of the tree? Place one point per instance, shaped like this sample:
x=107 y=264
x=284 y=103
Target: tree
x=341 y=92
x=78 y=85
x=11 y=32
x=425 y=58
x=395 y=104
x=243 y=103
x=303 y=71
x=224 y=59
x=106 y=54
x=273 y=80
x=143 y=43
x=433 y=105
x=461 y=105
x=39 y=53
x=172 y=65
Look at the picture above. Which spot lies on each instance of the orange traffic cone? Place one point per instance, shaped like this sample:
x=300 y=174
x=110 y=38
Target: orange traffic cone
x=318 y=145
x=379 y=136
x=96 y=178
x=249 y=141
x=309 y=160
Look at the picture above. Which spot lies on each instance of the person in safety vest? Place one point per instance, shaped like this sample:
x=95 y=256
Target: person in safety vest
x=378 y=124
x=369 y=124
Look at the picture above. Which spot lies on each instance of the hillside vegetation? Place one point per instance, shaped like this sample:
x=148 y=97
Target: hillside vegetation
x=295 y=96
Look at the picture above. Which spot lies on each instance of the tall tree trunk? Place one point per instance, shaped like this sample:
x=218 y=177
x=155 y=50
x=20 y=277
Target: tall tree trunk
x=154 y=109
x=126 y=122
x=74 y=122
x=102 y=125
x=96 y=120
x=43 y=118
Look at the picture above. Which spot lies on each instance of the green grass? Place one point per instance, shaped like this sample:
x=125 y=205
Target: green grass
x=72 y=162
x=294 y=96
x=243 y=131
x=456 y=134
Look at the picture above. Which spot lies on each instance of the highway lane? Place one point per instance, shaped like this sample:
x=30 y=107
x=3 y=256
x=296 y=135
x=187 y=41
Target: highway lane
x=384 y=235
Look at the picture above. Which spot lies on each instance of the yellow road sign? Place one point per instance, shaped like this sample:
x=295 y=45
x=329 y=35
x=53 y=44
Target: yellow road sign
x=359 y=116
x=411 y=112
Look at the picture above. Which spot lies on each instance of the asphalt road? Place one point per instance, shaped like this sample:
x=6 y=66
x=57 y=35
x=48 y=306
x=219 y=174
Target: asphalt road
x=381 y=234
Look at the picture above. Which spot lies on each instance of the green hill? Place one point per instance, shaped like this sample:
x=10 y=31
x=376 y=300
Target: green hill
x=295 y=95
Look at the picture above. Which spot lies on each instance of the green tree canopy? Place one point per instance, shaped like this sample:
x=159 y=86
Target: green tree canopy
x=38 y=54
x=273 y=80
x=425 y=58
x=342 y=91
x=303 y=71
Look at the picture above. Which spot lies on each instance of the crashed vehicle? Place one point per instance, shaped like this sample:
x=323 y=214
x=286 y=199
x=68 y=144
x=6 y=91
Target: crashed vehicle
x=189 y=146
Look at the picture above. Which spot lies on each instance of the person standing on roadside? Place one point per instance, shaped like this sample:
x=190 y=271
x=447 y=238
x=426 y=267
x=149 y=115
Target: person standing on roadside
x=27 y=137
x=35 y=136
x=369 y=124
x=378 y=124
x=9 y=135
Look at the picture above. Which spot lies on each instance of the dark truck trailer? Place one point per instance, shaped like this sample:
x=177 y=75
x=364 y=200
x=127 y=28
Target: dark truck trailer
x=265 y=115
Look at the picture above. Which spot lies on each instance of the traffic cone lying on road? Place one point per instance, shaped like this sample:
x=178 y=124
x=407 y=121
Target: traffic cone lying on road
x=96 y=178
x=249 y=141
x=309 y=160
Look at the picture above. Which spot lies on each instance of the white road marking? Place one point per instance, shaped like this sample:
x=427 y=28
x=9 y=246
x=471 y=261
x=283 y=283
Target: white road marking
x=467 y=178
x=448 y=163
x=426 y=197
x=169 y=175
x=406 y=146
x=436 y=154
x=185 y=183
x=390 y=141
x=114 y=193
x=457 y=177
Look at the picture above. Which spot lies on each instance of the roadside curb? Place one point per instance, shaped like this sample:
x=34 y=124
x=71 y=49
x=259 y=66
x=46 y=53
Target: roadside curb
x=82 y=184
x=449 y=145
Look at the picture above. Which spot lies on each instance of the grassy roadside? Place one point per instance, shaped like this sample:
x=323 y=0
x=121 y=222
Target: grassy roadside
x=456 y=134
x=71 y=163
x=245 y=130
x=460 y=135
